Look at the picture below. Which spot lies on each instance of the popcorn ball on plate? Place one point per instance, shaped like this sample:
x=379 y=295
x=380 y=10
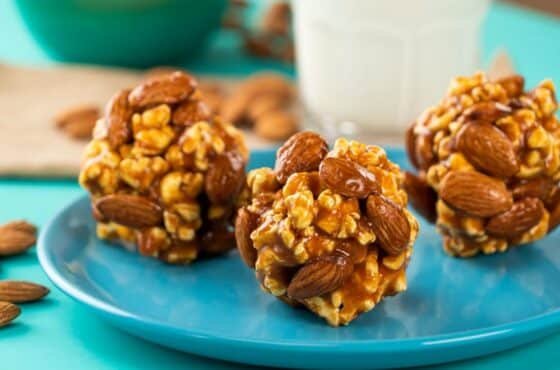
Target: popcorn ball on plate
x=327 y=229
x=163 y=173
x=489 y=164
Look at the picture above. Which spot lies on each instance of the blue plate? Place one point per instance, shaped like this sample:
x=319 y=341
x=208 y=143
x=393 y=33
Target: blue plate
x=453 y=308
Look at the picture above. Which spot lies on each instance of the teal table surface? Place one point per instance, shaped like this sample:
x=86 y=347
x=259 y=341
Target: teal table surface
x=58 y=333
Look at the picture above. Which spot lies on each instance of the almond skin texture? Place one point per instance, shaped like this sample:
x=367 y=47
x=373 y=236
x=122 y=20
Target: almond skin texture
x=117 y=114
x=225 y=177
x=389 y=224
x=475 y=194
x=486 y=112
x=522 y=216
x=320 y=276
x=164 y=89
x=540 y=187
x=21 y=291
x=303 y=152
x=130 y=210
x=347 y=178
x=477 y=139
x=16 y=237
x=8 y=312
x=422 y=197
x=245 y=223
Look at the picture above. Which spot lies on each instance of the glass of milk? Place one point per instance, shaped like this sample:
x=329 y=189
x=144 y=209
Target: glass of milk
x=371 y=66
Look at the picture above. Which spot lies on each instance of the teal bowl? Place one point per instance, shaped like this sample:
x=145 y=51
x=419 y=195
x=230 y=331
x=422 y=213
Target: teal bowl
x=132 y=33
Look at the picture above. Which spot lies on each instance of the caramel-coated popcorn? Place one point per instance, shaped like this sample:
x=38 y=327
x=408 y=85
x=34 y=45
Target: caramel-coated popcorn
x=328 y=229
x=155 y=173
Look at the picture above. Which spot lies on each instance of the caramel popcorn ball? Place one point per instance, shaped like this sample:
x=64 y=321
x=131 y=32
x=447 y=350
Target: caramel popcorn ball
x=327 y=229
x=489 y=165
x=163 y=173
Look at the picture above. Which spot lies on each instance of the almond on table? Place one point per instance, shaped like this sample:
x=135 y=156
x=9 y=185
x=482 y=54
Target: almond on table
x=488 y=161
x=327 y=229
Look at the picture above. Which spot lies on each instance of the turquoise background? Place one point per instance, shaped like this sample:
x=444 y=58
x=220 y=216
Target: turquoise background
x=60 y=334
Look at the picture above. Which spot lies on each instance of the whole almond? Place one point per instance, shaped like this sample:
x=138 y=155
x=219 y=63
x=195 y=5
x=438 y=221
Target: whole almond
x=190 y=112
x=78 y=121
x=319 y=276
x=164 y=89
x=117 y=115
x=303 y=152
x=389 y=224
x=475 y=194
x=245 y=223
x=540 y=187
x=16 y=237
x=422 y=197
x=522 y=216
x=225 y=177
x=21 y=291
x=8 y=312
x=487 y=112
x=276 y=125
x=130 y=210
x=488 y=149
x=347 y=178
x=263 y=104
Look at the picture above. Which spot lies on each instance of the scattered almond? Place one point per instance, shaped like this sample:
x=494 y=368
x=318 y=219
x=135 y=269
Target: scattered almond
x=319 y=276
x=21 y=291
x=389 y=224
x=276 y=125
x=78 y=121
x=8 y=312
x=130 y=210
x=16 y=237
x=522 y=216
x=474 y=193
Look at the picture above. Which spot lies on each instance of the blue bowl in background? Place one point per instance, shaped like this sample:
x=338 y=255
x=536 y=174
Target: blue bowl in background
x=132 y=33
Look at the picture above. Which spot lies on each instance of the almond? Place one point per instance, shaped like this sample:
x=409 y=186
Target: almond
x=475 y=193
x=410 y=142
x=276 y=125
x=78 y=122
x=424 y=151
x=190 y=112
x=21 y=291
x=164 y=89
x=540 y=187
x=422 y=197
x=347 y=178
x=225 y=177
x=488 y=112
x=8 y=312
x=303 y=152
x=129 y=210
x=118 y=113
x=488 y=149
x=16 y=237
x=245 y=223
x=319 y=276
x=389 y=223
x=522 y=216
x=217 y=239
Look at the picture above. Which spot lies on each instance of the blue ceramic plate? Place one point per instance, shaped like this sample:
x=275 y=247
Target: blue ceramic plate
x=453 y=308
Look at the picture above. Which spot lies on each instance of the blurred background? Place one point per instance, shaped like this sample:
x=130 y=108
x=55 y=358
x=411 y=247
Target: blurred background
x=361 y=68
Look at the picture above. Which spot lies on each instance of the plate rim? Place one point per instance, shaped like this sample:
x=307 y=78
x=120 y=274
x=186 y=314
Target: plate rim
x=479 y=336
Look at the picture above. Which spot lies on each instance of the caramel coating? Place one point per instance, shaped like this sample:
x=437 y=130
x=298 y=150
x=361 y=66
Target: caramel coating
x=176 y=164
x=507 y=140
x=315 y=245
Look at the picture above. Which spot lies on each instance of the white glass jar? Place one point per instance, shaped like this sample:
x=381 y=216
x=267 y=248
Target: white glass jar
x=371 y=66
